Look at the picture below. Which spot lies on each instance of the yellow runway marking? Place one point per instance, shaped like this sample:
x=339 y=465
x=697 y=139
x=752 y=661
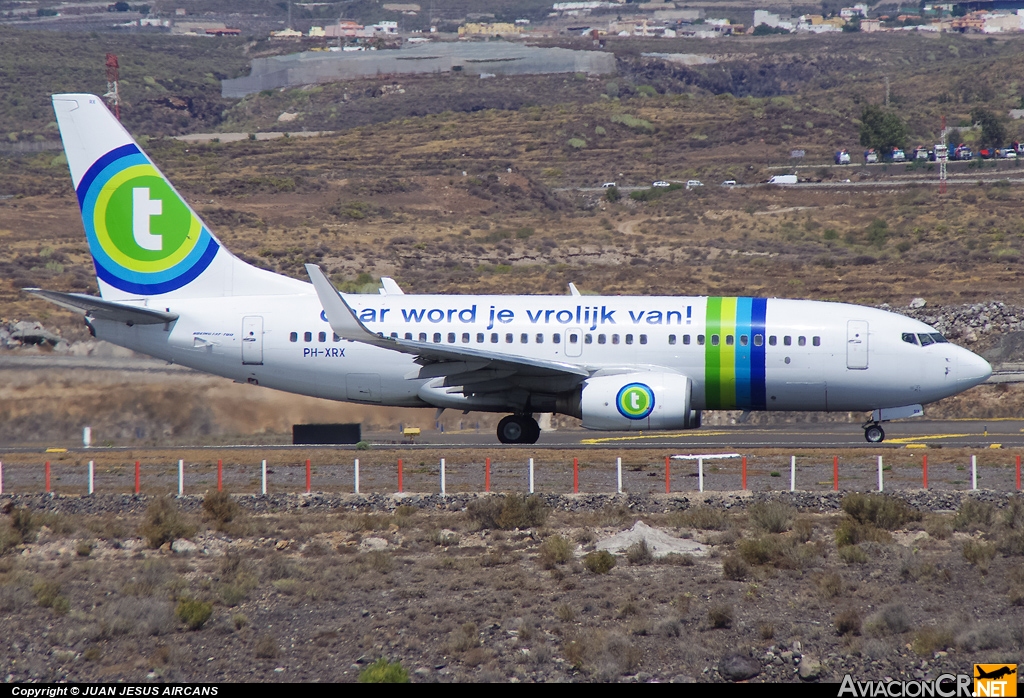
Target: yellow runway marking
x=653 y=436
x=933 y=437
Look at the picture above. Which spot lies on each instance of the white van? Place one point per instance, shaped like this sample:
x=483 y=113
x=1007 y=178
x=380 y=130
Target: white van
x=783 y=179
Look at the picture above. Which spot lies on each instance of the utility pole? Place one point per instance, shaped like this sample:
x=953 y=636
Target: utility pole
x=886 y=91
x=113 y=94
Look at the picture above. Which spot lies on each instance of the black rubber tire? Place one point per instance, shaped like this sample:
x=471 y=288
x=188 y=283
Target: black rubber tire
x=511 y=430
x=532 y=431
x=874 y=434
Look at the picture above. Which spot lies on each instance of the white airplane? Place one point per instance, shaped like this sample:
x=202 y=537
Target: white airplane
x=170 y=289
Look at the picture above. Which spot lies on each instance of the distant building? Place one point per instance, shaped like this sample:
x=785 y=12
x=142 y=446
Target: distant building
x=286 y=34
x=226 y=31
x=316 y=32
x=401 y=7
x=489 y=29
x=871 y=25
x=345 y=28
x=858 y=10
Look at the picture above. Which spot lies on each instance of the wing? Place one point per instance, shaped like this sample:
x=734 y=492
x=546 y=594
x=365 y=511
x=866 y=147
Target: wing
x=105 y=310
x=464 y=369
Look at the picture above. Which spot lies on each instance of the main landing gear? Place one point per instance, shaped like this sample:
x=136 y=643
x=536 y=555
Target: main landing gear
x=873 y=433
x=518 y=429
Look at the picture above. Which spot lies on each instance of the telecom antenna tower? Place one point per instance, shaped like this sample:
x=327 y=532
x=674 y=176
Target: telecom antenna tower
x=942 y=154
x=113 y=95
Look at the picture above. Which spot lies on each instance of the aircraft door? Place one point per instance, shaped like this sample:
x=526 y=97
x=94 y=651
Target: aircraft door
x=252 y=340
x=857 y=344
x=574 y=342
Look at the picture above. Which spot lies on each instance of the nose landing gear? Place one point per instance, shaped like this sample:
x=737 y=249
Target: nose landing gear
x=873 y=433
x=518 y=429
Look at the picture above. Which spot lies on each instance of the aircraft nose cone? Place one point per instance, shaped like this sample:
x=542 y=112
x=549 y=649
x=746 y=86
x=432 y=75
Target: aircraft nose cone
x=971 y=370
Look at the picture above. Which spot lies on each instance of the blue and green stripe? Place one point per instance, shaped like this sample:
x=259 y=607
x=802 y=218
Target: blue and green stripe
x=734 y=371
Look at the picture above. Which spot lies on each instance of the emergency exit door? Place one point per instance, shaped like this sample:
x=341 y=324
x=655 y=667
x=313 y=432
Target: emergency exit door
x=252 y=340
x=857 y=344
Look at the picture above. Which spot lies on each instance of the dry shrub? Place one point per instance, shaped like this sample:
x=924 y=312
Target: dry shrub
x=464 y=639
x=164 y=524
x=879 y=510
x=639 y=553
x=600 y=562
x=938 y=526
x=720 y=616
x=803 y=529
x=219 y=508
x=702 y=517
x=851 y=532
x=848 y=622
x=772 y=517
x=144 y=617
x=985 y=637
x=565 y=613
x=853 y=555
x=931 y=639
x=193 y=612
x=973 y=516
x=604 y=656
x=506 y=513
x=555 y=550
x=734 y=567
x=890 y=620
x=830 y=585
x=380 y=561
x=979 y=553
x=677 y=559
x=1011 y=529
x=266 y=647
x=776 y=550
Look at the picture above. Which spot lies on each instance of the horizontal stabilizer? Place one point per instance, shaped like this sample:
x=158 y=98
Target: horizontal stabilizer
x=104 y=310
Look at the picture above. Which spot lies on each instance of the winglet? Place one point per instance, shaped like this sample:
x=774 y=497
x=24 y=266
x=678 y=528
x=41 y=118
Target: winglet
x=573 y=291
x=339 y=314
x=389 y=287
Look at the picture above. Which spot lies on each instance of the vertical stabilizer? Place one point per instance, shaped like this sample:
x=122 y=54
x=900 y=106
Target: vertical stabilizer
x=144 y=238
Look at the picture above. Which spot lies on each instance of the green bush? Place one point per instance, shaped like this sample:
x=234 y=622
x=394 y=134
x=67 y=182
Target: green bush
x=973 y=516
x=850 y=532
x=164 y=524
x=382 y=671
x=639 y=553
x=555 y=550
x=193 y=612
x=853 y=555
x=600 y=562
x=633 y=123
x=773 y=517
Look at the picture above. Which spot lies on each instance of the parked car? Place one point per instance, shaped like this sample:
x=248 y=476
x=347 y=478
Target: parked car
x=729 y=183
x=1008 y=154
x=1019 y=147
x=987 y=153
x=661 y=183
x=843 y=157
x=897 y=155
x=920 y=153
x=870 y=156
x=691 y=183
x=783 y=179
x=608 y=185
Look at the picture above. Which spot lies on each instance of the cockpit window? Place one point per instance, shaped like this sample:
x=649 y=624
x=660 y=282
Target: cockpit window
x=910 y=338
x=926 y=339
x=939 y=339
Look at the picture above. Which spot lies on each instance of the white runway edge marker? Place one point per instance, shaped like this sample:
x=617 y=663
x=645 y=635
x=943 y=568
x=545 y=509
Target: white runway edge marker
x=879 y=473
x=531 y=476
x=792 y=473
x=356 y=488
x=700 y=463
x=181 y=477
x=974 y=472
x=618 y=475
x=92 y=480
x=442 y=478
x=263 y=467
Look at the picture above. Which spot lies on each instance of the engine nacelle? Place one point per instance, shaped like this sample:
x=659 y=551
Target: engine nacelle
x=638 y=401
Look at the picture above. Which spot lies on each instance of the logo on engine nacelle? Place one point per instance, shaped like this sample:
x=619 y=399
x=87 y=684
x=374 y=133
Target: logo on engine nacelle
x=635 y=401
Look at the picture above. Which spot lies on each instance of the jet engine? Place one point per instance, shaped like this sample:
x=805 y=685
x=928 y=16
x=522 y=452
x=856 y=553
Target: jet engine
x=638 y=401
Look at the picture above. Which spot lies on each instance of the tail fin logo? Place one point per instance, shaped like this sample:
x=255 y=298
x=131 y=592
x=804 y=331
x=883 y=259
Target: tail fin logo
x=143 y=237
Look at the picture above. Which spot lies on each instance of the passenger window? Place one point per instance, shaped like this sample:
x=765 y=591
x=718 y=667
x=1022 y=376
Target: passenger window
x=437 y=338
x=556 y=338
x=728 y=340
x=787 y=340
x=322 y=337
x=338 y=339
x=423 y=336
x=615 y=339
x=743 y=340
x=408 y=335
x=293 y=337
x=509 y=338
x=758 y=340
x=494 y=337
x=671 y=339
x=714 y=340
x=926 y=339
x=574 y=338
x=451 y=338
x=816 y=341
x=686 y=339
x=700 y=339
x=773 y=340
x=540 y=338
x=308 y=336
x=802 y=341
x=643 y=339
x=465 y=337
x=629 y=339
x=601 y=338
x=394 y=335
x=524 y=338
x=588 y=339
